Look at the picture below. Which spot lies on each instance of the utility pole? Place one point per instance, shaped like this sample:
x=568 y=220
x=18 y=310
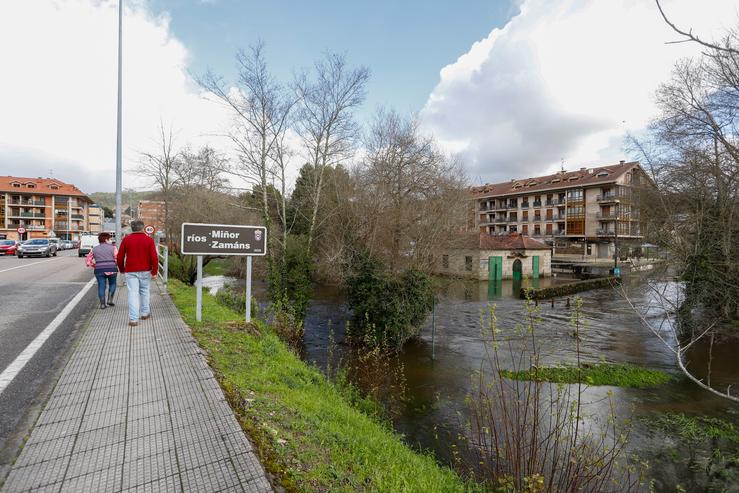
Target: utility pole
x=119 y=140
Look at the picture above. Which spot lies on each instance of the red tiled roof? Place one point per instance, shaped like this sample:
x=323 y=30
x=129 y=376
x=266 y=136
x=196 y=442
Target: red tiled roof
x=512 y=241
x=42 y=186
x=566 y=179
x=483 y=241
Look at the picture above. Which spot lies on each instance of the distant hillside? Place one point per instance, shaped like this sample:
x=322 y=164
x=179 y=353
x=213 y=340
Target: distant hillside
x=107 y=199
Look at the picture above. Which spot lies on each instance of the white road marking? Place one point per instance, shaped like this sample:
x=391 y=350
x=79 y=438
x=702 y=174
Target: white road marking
x=28 y=265
x=17 y=365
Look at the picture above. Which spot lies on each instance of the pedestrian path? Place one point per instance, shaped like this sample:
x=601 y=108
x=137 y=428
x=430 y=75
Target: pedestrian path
x=137 y=409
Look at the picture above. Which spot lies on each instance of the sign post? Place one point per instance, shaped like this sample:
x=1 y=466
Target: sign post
x=199 y=290
x=222 y=240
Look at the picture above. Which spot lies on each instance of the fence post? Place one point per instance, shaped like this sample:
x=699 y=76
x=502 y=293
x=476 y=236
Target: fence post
x=248 y=289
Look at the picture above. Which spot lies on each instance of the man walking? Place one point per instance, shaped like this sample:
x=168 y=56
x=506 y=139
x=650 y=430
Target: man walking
x=137 y=258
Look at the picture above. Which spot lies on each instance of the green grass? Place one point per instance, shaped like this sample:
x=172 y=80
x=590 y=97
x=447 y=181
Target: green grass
x=216 y=267
x=304 y=427
x=696 y=428
x=596 y=374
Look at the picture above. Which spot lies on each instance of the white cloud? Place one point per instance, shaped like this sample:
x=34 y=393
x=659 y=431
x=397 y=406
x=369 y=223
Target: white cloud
x=562 y=79
x=58 y=90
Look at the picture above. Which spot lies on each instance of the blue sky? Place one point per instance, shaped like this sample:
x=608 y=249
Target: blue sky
x=404 y=43
x=512 y=88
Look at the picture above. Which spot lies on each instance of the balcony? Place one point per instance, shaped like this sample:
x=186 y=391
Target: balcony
x=537 y=219
x=603 y=232
x=27 y=214
x=500 y=220
x=78 y=216
x=608 y=197
x=560 y=232
x=609 y=216
x=28 y=202
x=524 y=205
x=556 y=202
x=537 y=203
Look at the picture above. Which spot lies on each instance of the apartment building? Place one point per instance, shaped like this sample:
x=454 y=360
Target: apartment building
x=152 y=213
x=577 y=212
x=95 y=218
x=42 y=207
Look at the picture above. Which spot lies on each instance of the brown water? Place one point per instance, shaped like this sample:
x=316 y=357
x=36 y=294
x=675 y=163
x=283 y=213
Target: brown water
x=436 y=388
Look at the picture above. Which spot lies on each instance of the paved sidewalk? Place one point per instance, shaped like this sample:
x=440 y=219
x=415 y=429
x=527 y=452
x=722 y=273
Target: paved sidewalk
x=137 y=409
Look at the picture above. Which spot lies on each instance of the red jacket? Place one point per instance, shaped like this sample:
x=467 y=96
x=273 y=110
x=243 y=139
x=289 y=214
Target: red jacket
x=138 y=253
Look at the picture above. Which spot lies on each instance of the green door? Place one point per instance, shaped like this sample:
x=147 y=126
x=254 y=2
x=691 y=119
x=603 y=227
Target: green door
x=495 y=268
x=535 y=266
x=517 y=270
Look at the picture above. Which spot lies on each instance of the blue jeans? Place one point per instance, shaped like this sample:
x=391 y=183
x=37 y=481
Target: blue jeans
x=102 y=280
x=138 y=294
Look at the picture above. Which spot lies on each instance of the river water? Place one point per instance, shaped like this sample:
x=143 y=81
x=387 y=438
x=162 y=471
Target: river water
x=436 y=388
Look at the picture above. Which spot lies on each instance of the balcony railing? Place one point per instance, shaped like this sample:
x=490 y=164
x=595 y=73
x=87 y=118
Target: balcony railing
x=27 y=202
x=500 y=220
x=608 y=197
x=560 y=233
x=26 y=214
x=78 y=216
x=606 y=216
x=537 y=219
x=537 y=203
x=524 y=205
x=603 y=232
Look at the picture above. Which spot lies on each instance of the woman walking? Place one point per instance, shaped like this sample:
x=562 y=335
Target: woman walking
x=103 y=258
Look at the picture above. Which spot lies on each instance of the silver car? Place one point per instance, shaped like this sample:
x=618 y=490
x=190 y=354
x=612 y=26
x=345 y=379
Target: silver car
x=36 y=247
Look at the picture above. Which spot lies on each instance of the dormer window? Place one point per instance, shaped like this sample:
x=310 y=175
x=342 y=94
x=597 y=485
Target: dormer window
x=573 y=178
x=30 y=185
x=16 y=184
x=556 y=180
x=54 y=186
x=603 y=173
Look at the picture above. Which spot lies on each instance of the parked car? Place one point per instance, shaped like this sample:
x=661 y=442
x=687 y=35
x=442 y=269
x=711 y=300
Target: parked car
x=87 y=242
x=66 y=244
x=37 y=246
x=75 y=243
x=55 y=242
x=8 y=247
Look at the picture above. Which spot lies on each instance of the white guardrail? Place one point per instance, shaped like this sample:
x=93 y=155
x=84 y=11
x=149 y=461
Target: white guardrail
x=163 y=254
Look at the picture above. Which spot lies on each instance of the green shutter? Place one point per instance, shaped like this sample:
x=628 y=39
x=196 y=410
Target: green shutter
x=535 y=266
x=495 y=268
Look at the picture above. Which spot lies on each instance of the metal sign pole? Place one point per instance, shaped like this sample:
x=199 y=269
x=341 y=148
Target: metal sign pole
x=248 y=289
x=199 y=291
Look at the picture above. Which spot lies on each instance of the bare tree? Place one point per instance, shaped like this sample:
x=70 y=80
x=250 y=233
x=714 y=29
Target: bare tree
x=412 y=194
x=262 y=109
x=203 y=169
x=325 y=119
x=161 y=168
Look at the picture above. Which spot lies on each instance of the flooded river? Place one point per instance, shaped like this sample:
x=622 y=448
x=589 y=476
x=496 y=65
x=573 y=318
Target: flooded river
x=436 y=388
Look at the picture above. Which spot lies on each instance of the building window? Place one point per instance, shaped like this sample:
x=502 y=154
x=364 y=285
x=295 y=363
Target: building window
x=537 y=230
x=445 y=261
x=574 y=195
x=525 y=229
x=468 y=263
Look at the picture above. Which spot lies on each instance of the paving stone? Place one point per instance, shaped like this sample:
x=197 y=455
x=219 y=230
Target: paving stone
x=137 y=410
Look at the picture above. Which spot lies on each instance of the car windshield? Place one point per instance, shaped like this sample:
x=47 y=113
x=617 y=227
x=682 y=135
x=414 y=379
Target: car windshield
x=37 y=242
x=7 y=242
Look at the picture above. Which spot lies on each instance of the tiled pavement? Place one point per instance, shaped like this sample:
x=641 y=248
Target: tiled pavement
x=137 y=409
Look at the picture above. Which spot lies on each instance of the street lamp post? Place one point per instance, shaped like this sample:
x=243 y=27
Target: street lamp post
x=119 y=143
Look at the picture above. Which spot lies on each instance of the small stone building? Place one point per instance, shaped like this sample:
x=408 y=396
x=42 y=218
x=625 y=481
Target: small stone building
x=484 y=257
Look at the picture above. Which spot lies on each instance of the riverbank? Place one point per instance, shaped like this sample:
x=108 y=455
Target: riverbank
x=310 y=434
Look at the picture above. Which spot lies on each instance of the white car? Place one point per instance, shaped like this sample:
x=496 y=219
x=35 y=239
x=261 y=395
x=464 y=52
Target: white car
x=87 y=243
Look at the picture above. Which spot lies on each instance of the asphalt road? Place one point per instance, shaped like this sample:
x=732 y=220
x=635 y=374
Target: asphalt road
x=32 y=293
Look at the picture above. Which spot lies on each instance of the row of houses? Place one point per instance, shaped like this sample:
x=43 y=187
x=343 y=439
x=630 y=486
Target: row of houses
x=48 y=207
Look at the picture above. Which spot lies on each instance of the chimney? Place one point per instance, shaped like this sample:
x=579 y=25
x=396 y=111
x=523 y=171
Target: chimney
x=583 y=169
x=622 y=162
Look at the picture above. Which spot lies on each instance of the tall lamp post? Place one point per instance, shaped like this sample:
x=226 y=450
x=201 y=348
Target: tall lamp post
x=118 y=160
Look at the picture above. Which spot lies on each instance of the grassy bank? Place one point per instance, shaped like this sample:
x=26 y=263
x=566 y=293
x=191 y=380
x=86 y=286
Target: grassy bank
x=304 y=428
x=216 y=267
x=597 y=374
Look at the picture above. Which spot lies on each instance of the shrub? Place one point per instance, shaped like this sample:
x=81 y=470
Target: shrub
x=387 y=307
x=235 y=300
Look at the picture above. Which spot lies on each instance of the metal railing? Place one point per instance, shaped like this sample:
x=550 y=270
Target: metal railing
x=163 y=259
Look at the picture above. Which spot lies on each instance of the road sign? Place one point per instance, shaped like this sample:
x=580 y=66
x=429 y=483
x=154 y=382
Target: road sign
x=223 y=239
x=21 y=230
x=149 y=230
